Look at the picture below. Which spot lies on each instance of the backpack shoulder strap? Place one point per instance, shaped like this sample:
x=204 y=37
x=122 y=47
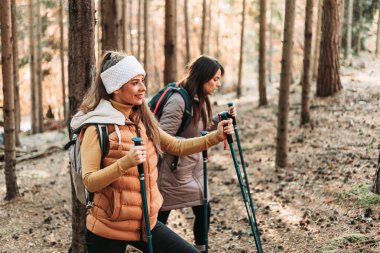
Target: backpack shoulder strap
x=187 y=114
x=102 y=131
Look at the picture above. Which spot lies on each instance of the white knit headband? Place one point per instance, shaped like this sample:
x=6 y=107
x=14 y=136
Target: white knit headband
x=116 y=76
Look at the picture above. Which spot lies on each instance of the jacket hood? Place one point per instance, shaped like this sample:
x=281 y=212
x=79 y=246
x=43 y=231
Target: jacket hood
x=104 y=113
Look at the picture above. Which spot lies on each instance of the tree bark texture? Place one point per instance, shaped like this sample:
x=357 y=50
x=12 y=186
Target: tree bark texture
x=203 y=31
x=32 y=64
x=328 y=82
x=131 y=49
x=262 y=54
x=15 y=73
x=240 y=72
x=317 y=40
x=109 y=25
x=139 y=30
x=8 y=106
x=283 y=103
x=170 y=71
x=40 y=97
x=270 y=51
x=146 y=42
x=187 y=35
x=306 y=77
x=62 y=51
x=124 y=25
x=348 y=54
x=376 y=180
x=81 y=75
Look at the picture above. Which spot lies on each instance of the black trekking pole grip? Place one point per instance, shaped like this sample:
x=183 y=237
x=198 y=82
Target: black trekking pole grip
x=224 y=116
x=137 y=141
x=230 y=104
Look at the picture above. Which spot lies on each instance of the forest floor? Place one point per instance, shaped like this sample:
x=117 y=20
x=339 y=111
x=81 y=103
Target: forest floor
x=320 y=203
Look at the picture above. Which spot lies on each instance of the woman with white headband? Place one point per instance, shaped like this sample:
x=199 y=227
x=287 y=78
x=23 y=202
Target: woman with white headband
x=116 y=99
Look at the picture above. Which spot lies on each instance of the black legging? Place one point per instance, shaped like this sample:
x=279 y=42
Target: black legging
x=164 y=241
x=198 y=229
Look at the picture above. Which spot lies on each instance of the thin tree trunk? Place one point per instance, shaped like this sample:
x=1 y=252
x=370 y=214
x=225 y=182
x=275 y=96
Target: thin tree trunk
x=283 y=103
x=187 y=32
x=306 y=77
x=317 y=40
x=32 y=63
x=270 y=51
x=119 y=24
x=124 y=24
x=328 y=82
x=61 y=51
x=348 y=53
x=170 y=71
x=15 y=73
x=131 y=50
x=240 y=74
x=8 y=103
x=109 y=25
x=378 y=36
x=376 y=180
x=262 y=54
x=209 y=28
x=146 y=41
x=139 y=30
x=203 y=32
x=40 y=96
x=358 y=35
x=81 y=75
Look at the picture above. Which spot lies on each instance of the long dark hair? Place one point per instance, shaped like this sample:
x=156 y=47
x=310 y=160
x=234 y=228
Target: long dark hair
x=97 y=92
x=200 y=71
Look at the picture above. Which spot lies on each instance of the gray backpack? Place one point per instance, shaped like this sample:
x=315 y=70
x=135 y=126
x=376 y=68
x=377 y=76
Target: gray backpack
x=83 y=195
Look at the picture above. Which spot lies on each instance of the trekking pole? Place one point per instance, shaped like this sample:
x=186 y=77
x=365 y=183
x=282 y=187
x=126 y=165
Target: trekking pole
x=224 y=115
x=244 y=171
x=205 y=200
x=137 y=141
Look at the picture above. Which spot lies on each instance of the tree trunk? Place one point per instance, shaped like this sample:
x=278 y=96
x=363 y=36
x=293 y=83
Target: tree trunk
x=203 y=32
x=358 y=33
x=61 y=51
x=283 y=103
x=240 y=73
x=262 y=54
x=40 y=97
x=15 y=73
x=270 y=51
x=306 y=77
x=139 y=30
x=131 y=49
x=146 y=42
x=119 y=24
x=376 y=180
x=8 y=101
x=109 y=25
x=187 y=32
x=124 y=25
x=328 y=82
x=317 y=40
x=378 y=36
x=348 y=54
x=81 y=75
x=32 y=63
x=170 y=71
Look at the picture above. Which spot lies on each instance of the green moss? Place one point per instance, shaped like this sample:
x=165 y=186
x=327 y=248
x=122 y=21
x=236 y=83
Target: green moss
x=362 y=195
x=334 y=244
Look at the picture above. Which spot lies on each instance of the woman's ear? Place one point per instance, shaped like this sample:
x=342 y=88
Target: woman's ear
x=116 y=92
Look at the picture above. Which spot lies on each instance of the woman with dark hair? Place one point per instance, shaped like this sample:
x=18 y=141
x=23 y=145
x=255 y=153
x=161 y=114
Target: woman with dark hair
x=116 y=219
x=180 y=179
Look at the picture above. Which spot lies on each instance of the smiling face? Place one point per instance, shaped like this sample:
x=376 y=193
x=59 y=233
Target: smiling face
x=212 y=85
x=132 y=92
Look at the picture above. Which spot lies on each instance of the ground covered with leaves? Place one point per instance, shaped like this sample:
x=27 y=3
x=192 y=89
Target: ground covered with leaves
x=320 y=203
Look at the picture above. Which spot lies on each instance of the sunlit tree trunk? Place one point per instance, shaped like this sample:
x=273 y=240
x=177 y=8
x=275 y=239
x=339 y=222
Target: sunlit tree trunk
x=8 y=101
x=328 y=82
x=203 y=32
x=131 y=49
x=81 y=75
x=187 y=36
x=15 y=73
x=32 y=64
x=306 y=77
x=270 y=51
x=139 y=30
x=62 y=51
x=317 y=40
x=146 y=41
x=124 y=25
x=359 y=34
x=170 y=71
x=119 y=24
x=378 y=36
x=262 y=54
x=348 y=53
x=283 y=102
x=40 y=97
x=240 y=73
x=109 y=25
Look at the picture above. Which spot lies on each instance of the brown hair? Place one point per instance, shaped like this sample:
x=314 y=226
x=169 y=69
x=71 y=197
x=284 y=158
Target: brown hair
x=97 y=92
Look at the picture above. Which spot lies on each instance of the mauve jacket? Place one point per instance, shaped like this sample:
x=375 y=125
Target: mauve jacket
x=183 y=186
